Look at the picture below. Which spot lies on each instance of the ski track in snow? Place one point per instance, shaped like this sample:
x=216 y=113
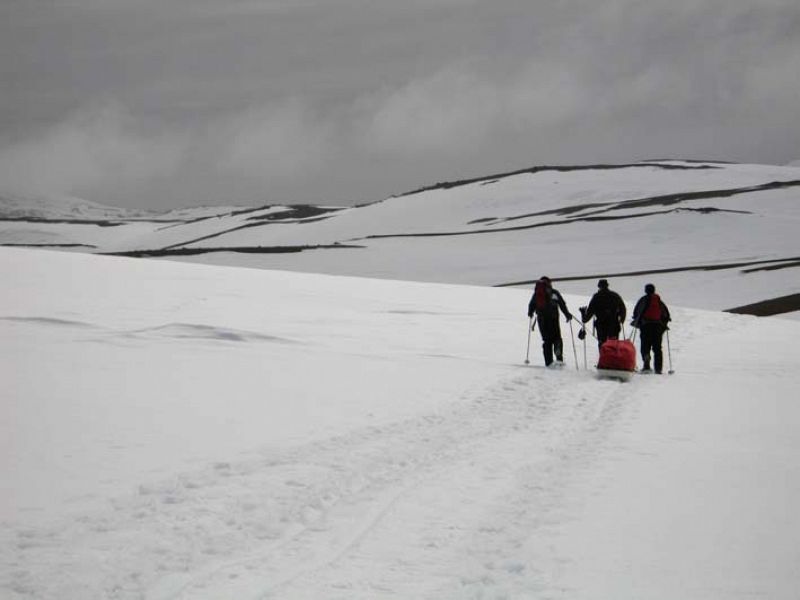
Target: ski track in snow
x=317 y=517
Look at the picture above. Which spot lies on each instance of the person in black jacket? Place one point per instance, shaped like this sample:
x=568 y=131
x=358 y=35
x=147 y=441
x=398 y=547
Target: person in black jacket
x=651 y=316
x=608 y=310
x=545 y=302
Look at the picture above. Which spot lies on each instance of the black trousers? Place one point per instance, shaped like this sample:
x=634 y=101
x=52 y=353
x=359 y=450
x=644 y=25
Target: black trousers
x=652 y=333
x=606 y=330
x=550 y=330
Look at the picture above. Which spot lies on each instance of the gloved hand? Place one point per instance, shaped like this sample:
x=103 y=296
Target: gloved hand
x=583 y=313
x=569 y=317
x=633 y=323
x=582 y=334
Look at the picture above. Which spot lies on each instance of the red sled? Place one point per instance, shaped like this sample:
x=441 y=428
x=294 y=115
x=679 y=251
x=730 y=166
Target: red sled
x=617 y=360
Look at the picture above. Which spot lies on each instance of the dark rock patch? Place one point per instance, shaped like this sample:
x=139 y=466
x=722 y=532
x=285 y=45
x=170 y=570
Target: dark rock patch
x=299 y=211
x=239 y=249
x=672 y=199
x=588 y=219
x=49 y=245
x=563 y=211
x=100 y=223
x=767 y=308
x=446 y=185
x=778 y=267
x=692 y=161
x=705 y=210
x=712 y=267
x=664 y=200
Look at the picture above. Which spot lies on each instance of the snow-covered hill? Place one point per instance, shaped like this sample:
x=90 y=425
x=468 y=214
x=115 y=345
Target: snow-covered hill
x=64 y=208
x=171 y=430
x=710 y=235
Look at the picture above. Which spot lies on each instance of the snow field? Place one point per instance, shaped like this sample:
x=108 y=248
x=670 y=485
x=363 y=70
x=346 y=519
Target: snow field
x=184 y=431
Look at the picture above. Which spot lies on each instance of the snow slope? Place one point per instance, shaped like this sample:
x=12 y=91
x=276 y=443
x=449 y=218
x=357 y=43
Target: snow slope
x=711 y=235
x=187 y=431
x=59 y=208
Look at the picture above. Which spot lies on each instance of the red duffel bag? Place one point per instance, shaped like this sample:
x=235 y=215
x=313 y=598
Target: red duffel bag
x=618 y=355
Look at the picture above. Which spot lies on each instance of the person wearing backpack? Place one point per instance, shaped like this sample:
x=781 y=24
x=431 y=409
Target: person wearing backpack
x=545 y=302
x=608 y=310
x=651 y=316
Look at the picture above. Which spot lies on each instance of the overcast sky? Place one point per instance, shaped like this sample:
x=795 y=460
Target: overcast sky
x=163 y=103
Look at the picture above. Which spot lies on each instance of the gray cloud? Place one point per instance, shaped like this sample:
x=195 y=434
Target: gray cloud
x=277 y=142
x=91 y=150
x=176 y=102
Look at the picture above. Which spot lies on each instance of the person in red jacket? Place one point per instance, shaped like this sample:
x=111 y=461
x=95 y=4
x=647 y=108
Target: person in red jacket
x=545 y=302
x=651 y=316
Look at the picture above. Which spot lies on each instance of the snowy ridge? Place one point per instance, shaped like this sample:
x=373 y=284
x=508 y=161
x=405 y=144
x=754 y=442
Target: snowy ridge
x=67 y=210
x=190 y=431
x=60 y=209
x=716 y=235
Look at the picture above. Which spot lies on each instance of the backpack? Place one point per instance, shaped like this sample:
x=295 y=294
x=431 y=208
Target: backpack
x=541 y=297
x=609 y=311
x=653 y=310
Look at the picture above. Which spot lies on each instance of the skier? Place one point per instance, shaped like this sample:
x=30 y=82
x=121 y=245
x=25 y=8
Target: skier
x=651 y=316
x=608 y=310
x=545 y=302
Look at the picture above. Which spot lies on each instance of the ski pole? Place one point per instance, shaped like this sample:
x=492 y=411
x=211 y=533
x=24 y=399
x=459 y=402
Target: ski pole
x=531 y=325
x=574 y=352
x=585 y=367
x=669 y=354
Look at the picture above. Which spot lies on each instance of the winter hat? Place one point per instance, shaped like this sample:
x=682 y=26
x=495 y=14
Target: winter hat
x=603 y=284
x=649 y=289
